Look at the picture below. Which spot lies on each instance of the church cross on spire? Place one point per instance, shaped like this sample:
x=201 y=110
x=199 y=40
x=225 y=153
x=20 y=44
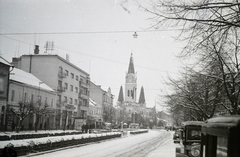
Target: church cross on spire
x=131 y=66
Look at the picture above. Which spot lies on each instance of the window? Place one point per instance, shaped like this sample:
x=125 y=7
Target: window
x=3 y=108
x=52 y=103
x=1 y=84
x=72 y=75
x=65 y=99
x=13 y=94
x=66 y=72
x=45 y=100
x=25 y=97
x=76 y=77
x=32 y=98
x=60 y=69
x=59 y=83
x=75 y=114
x=59 y=97
x=194 y=134
x=71 y=87
x=71 y=100
x=66 y=86
x=76 y=89
x=222 y=146
x=75 y=102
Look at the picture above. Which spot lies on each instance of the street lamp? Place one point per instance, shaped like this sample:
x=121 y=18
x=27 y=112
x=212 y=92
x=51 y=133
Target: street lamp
x=135 y=35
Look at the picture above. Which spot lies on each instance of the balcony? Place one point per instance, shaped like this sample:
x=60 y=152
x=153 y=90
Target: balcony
x=70 y=107
x=59 y=103
x=62 y=74
x=61 y=89
x=83 y=84
x=83 y=96
x=84 y=108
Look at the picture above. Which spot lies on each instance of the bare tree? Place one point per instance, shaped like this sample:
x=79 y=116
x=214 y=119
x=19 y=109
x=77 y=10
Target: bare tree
x=211 y=29
x=22 y=112
x=67 y=109
x=195 y=96
x=108 y=111
x=39 y=109
x=224 y=53
x=195 y=17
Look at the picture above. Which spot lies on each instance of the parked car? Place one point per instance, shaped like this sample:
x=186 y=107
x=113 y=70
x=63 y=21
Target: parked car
x=134 y=126
x=190 y=139
x=220 y=137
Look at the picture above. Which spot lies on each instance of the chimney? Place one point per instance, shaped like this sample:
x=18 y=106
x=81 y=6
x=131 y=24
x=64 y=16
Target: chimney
x=67 y=57
x=36 y=50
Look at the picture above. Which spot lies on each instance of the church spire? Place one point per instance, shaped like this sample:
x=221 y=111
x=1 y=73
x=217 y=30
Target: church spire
x=120 y=96
x=131 y=66
x=142 y=97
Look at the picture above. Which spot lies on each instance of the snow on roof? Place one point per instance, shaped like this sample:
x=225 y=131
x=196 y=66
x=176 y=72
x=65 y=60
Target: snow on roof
x=223 y=122
x=2 y=60
x=92 y=102
x=28 y=78
x=226 y=119
x=195 y=123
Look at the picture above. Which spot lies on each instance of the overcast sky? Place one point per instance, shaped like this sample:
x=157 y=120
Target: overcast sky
x=98 y=37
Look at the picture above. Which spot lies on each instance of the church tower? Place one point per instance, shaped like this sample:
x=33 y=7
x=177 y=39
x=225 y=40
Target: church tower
x=131 y=83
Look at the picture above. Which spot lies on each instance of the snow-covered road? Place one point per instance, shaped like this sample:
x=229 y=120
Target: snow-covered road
x=156 y=143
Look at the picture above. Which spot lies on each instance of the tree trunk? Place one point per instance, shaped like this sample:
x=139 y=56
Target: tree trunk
x=19 y=125
x=36 y=123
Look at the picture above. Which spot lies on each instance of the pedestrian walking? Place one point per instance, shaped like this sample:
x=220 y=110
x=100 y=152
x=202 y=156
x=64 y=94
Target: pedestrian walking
x=83 y=128
x=13 y=126
x=45 y=126
x=40 y=128
x=86 y=128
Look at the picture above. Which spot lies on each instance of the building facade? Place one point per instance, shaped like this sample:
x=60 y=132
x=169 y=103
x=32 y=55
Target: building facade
x=95 y=114
x=131 y=110
x=4 y=81
x=70 y=82
x=27 y=89
x=105 y=101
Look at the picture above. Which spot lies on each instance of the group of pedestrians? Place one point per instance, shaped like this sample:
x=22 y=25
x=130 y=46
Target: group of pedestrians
x=87 y=128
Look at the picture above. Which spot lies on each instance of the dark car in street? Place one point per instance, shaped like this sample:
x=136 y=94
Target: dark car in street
x=190 y=139
x=176 y=136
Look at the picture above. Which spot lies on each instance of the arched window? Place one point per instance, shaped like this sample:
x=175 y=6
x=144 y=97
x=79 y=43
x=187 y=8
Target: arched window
x=3 y=108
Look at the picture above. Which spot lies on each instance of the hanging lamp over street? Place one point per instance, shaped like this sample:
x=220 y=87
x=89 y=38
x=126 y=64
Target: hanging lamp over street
x=135 y=35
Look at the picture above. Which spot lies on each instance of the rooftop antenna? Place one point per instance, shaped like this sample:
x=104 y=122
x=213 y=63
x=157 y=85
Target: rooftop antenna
x=49 y=46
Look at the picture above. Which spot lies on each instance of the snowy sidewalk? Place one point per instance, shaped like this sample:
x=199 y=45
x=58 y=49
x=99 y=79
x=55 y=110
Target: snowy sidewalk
x=165 y=149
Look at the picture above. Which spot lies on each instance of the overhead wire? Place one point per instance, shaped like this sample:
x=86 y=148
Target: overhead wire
x=88 y=32
x=78 y=52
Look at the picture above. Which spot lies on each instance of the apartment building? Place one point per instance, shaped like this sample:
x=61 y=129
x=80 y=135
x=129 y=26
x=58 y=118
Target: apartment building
x=105 y=99
x=69 y=81
x=95 y=115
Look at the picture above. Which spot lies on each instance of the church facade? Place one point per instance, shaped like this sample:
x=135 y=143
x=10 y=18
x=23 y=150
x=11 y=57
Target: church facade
x=131 y=109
